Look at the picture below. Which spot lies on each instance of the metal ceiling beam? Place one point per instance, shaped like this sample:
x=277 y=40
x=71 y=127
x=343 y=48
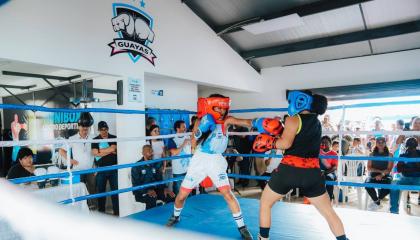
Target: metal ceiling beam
x=58 y=92
x=371 y=90
x=309 y=9
x=346 y=38
x=199 y=12
x=17 y=87
x=32 y=75
x=15 y=96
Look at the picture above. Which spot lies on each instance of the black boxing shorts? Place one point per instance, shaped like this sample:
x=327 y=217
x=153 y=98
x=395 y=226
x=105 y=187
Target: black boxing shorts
x=309 y=180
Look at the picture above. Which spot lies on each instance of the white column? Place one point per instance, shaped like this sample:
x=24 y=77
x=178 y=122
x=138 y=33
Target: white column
x=129 y=125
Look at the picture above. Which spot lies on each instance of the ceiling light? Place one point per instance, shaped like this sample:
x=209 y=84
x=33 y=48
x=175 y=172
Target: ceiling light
x=276 y=24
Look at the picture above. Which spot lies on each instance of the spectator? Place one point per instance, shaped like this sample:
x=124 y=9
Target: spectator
x=24 y=166
x=336 y=146
x=413 y=120
x=144 y=174
x=272 y=163
x=179 y=146
x=399 y=126
x=328 y=166
x=158 y=146
x=81 y=153
x=326 y=124
x=379 y=127
x=410 y=172
x=415 y=126
x=371 y=144
x=379 y=172
x=232 y=160
x=192 y=123
x=357 y=148
x=106 y=155
x=244 y=146
x=150 y=122
x=348 y=139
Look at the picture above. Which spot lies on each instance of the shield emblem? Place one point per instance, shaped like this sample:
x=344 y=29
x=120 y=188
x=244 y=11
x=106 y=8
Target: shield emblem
x=121 y=8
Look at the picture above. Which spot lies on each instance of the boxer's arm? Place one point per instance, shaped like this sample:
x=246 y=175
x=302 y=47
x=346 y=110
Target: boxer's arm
x=238 y=121
x=291 y=127
x=193 y=139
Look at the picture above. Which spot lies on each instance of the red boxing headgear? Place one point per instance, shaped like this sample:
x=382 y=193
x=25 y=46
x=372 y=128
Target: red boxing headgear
x=206 y=105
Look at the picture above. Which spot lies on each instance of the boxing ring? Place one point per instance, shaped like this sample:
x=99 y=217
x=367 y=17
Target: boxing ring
x=209 y=214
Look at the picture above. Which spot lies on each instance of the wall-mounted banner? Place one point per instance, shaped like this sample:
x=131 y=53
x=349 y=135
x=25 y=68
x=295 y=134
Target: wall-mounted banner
x=157 y=92
x=134 y=90
x=135 y=32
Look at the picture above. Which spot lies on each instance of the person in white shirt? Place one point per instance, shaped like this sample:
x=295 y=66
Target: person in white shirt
x=272 y=163
x=179 y=146
x=81 y=153
x=158 y=146
x=357 y=149
x=326 y=124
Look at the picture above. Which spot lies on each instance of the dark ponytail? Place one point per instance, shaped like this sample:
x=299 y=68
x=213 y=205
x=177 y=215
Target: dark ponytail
x=319 y=104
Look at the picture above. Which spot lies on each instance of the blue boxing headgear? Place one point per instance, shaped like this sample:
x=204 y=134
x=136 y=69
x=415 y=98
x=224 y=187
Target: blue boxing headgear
x=298 y=101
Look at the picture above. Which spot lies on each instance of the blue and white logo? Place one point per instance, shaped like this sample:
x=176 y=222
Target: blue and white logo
x=135 y=32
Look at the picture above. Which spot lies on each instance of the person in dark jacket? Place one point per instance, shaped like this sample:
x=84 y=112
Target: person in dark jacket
x=410 y=172
x=105 y=154
x=24 y=167
x=144 y=174
x=379 y=172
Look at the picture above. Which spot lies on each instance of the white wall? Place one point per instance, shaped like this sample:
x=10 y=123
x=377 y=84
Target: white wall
x=370 y=69
x=177 y=94
x=129 y=125
x=75 y=34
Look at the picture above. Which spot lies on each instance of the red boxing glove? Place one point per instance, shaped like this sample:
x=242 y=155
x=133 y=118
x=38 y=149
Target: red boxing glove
x=274 y=126
x=268 y=125
x=264 y=142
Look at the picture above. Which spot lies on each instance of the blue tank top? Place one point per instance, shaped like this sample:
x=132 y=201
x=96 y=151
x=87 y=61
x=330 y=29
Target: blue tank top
x=216 y=142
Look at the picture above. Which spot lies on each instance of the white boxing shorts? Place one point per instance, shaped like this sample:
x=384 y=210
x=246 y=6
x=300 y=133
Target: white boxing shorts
x=203 y=165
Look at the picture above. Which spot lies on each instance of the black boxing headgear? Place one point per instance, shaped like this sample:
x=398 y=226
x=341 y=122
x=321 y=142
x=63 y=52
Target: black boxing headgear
x=85 y=120
x=411 y=143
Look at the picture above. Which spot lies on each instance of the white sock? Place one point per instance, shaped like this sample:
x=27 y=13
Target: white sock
x=239 y=219
x=177 y=211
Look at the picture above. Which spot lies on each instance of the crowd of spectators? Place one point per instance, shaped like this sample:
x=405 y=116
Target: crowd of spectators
x=86 y=155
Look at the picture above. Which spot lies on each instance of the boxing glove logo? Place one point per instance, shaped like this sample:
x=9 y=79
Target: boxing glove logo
x=134 y=28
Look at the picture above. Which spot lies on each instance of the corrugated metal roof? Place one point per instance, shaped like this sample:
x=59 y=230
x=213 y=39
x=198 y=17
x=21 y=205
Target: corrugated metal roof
x=324 y=24
x=221 y=12
x=357 y=17
x=396 y=43
x=314 y=55
x=381 y=13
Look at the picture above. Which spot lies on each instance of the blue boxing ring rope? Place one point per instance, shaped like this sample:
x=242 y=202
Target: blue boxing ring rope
x=122 y=166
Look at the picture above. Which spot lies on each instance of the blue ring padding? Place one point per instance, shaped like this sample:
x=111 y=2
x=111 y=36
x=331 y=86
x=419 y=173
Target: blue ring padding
x=252 y=155
x=103 y=110
x=346 y=184
x=126 y=111
x=353 y=158
x=128 y=165
x=258 y=110
x=387 y=159
x=333 y=183
x=365 y=105
x=98 y=195
x=94 y=170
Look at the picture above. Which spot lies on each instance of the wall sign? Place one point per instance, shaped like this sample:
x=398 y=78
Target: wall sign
x=157 y=92
x=134 y=28
x=134 y=91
